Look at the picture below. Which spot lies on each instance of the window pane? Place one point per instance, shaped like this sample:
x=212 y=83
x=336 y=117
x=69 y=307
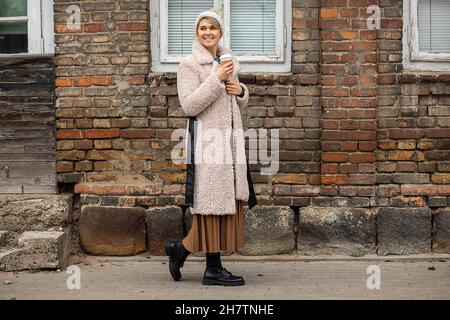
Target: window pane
x=182 y=15
x=253 y=26
x=434 y=26
x=13 y=8
x=13 y=37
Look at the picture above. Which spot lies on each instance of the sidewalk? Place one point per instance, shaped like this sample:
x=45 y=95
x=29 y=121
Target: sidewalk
x=279 y=277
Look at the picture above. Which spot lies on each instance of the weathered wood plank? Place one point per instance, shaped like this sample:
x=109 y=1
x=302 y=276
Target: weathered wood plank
x=23 y=169
x=18 y=109
x=10 y=189
x=31 y=145
x=31 y=116
x=39 y=189
x=27 y=125
x=23 y=90
x=24 y=133
x=27 y=157
x=33 y=181
x=27 y=76
x=28 y=99
x=40 y=149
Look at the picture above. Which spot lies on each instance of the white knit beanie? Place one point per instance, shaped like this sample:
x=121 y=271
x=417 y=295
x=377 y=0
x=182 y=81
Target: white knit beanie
x=211 y=14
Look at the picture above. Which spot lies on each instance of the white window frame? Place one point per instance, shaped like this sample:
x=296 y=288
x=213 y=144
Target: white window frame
x=40 y=28
x=413 y=58
x=163 y=62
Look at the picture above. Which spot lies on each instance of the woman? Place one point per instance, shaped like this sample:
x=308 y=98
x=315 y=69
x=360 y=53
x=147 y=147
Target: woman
x=211 y=95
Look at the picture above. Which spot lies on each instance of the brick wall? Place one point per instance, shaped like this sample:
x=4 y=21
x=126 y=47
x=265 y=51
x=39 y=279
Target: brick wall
x=103 y=99
x=349 y=100
x=413 y=125
x=340 y=111
x=356 y=131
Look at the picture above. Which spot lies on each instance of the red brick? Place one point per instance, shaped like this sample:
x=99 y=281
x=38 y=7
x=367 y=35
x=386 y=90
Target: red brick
x=361 y=157
x=367 y=146
x=64 y=28
x=391 y=23
x=326 y=13
x=69 y=134
x=329 y=168
x=348 y=146
x=368 y=35
x=137 y=80
x=347 y=168
x=361 y=135
x=104 y=155
x=422 y=189
x=64 y=166
x=289 y=179
x=102 y=133
x=349 y=13
x=330 y=124
x=133 y=26
x=350 y=80
x=328 y=81
x=70 y=155
x=440 y=178
x=349 y=35
x=138 y=133
x=63 y=82
x=100 y=80
x=349 y=103
x=335 y=179
x=83 y=123
x=334 y=156
x=364 y=46
x=348 y=124
x=82 y=81
x=336 y=92
x=329 y=35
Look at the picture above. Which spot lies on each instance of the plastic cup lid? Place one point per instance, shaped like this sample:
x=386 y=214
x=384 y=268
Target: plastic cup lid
x=225 y=56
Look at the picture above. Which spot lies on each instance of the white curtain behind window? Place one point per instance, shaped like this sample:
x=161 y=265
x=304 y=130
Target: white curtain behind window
x=434 y=26
x=182 y=15
x=253 y=26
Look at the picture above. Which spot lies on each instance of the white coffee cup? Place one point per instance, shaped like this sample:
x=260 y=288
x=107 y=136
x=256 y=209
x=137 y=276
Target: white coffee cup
x=225 y=59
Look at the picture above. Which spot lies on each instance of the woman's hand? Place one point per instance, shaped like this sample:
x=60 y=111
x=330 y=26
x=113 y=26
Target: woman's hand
x=224 y=71
x=233 y=88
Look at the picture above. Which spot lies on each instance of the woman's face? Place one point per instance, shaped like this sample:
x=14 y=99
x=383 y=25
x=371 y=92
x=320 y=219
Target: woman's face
x=208 y=34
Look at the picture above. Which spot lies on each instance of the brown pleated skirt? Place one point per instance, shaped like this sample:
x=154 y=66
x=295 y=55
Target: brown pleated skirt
x=215 y=233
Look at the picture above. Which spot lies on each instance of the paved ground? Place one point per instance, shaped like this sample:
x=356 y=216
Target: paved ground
x=309 y=278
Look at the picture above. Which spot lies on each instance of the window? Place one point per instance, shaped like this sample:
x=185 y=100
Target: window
x=26 y=26
x=426 y=35
x=258 y=32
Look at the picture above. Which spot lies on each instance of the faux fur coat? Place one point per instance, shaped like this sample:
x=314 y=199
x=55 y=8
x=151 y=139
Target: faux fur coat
x=221 y=168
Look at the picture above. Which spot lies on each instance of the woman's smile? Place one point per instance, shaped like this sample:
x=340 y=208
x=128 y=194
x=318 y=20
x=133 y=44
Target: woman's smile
x=208 y=34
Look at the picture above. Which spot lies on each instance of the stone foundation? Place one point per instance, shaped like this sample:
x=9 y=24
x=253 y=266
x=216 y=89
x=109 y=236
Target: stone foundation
x=35 y=231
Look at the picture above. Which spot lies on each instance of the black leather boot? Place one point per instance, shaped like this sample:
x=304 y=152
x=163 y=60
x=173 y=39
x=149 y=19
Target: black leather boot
x=215 y=274
x=178 y=254
x=221 y=276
